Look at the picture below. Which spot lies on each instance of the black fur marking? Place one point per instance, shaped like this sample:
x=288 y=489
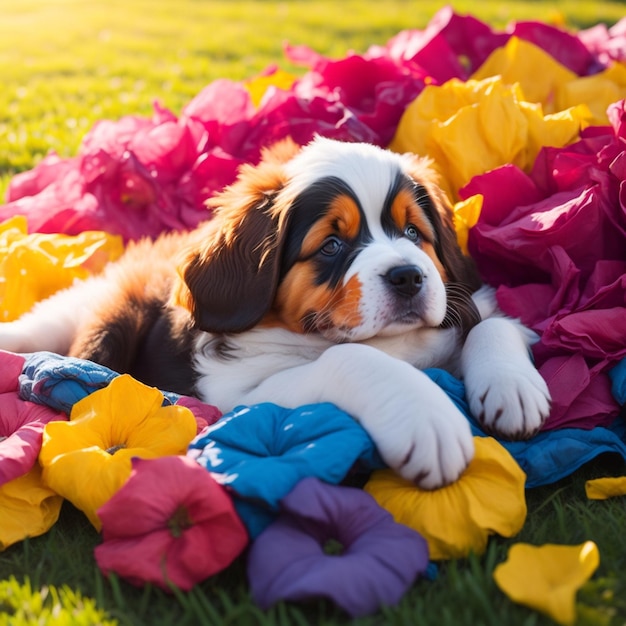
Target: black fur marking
x=220 y=348
x=163 y=358
x=461 y=311
x=308 y=208
x=390 y=228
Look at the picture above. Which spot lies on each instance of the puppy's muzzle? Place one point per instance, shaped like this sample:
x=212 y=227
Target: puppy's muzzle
x=405 y=280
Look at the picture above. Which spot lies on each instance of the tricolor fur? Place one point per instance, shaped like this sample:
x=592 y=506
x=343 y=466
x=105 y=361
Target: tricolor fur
x=329 y=273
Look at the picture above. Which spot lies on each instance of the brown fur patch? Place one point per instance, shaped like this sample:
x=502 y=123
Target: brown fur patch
x=347 y=304
x=302 y=306
x=342 y=219
x=404 y=211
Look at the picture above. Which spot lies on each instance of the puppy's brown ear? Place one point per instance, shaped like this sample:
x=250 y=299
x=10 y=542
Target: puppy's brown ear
x=230 y=276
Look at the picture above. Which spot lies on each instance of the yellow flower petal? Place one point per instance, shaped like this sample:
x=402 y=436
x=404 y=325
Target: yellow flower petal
x=28 y=508
x=34 y=266
x=458 y=519
x=596 y=91
x=517 y=62
x=466 y=214
x=258 y=86
x=89 y=478
x=603 y=488
x=546 y=578
x=470 y=127
x=558 y=129
x=89 y=458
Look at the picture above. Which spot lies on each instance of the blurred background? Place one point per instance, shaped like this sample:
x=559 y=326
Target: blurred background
x=66 y=63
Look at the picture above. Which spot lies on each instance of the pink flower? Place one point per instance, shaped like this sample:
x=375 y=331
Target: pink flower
x=374 y=89
x=554 y=245
x=21 y=422
x=171 y=523
x=451 y=46
x=565 y=47
x=606 y=44
x=125 y=180
x=29 y=183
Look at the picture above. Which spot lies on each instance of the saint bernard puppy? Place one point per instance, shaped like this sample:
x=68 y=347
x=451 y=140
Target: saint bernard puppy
x=329 y=273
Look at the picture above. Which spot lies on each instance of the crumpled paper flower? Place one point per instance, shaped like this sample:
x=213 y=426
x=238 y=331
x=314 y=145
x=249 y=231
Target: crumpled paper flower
x=564 y=46
x=133 y=177
x=553 y=246
x=603 y=488
x=458 y=519
x=369 y=91
x=87 y=459
x=140 y=176
x=21 y=423
x=451 y=45
x=466 y=214
x=556 y=87
x=261 y=452
x=170 y=523
x=29 y=508
x=605 y=44
x=517 y=62
x=272 y=78
x=546 y=578
x=34 y=266
x=378 y=559
x=471 y=127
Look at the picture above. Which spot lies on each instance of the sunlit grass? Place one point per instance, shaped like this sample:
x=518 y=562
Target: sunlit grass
x=67 y=63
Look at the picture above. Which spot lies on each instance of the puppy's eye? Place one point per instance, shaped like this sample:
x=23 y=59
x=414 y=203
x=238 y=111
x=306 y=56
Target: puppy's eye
x=331 y=246
x=412 y=233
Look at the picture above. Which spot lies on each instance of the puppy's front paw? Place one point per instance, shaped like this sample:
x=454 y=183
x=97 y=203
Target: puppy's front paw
x=510 y=400
x=430 y=445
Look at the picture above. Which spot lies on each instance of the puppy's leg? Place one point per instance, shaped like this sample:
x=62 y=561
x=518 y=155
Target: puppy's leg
x=52 y=323
x=418 y=430
x=504 y=390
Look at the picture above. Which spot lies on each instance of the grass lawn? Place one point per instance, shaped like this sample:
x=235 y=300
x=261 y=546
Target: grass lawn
x=67 y=63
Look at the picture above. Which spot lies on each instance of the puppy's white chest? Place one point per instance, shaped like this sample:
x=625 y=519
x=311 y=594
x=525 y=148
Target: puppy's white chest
x=230 y=367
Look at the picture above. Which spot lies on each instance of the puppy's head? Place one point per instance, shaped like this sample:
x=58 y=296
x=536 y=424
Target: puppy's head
x=346 y=240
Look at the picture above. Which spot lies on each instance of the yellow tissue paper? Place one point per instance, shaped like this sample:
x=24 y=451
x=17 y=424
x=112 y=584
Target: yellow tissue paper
x=87 y=459
x=34 y=266
x=459 y=519
x=546 y=578
x=469 y=128
x=603 y=488
x=28 y=508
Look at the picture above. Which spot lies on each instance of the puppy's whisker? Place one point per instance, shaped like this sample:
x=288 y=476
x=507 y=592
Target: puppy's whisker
x=326 y=316
x=461 y=311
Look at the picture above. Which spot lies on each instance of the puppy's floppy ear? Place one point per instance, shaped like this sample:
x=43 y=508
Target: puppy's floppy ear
x=230 y=276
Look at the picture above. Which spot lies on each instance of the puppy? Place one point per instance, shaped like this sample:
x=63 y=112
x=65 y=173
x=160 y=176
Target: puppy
x=328 y=274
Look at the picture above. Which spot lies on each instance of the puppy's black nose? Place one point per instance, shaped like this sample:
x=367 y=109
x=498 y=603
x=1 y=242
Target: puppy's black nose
x=405 y=279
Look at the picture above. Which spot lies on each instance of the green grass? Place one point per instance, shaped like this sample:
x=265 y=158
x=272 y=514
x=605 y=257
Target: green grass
x=66 y=64
x=464 y=592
